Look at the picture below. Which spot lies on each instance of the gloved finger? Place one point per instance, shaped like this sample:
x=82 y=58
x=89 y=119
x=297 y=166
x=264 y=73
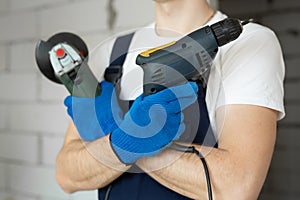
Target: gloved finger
x=106 y=85
x=173 y=93
x=150 y=115
x=180 y=131
x=186 y=90
x=180 y=104
x=68 y=104
x=173 y=107
x=68 y=101
x=137 y=103
x=175 y=133
x=165 y=95
x=173 y=120
x=116 y=112
x=160 y=117
x=187 y=101
x=139 y=98
x=77 y=100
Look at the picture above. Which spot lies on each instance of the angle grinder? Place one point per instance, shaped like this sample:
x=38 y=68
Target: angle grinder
x=63 y=59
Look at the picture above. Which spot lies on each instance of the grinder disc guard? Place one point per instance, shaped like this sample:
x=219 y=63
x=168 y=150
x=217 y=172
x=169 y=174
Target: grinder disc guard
x=44 y=47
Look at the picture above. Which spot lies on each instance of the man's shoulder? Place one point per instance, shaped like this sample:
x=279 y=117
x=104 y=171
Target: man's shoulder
x=254 y=37
x=252 y=32
x=257 y=30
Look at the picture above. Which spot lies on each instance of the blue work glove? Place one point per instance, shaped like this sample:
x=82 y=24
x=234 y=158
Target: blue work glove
x=95 y=117
x=152 y=123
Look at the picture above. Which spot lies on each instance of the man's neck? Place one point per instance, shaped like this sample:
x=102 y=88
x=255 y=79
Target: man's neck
x=180 y=17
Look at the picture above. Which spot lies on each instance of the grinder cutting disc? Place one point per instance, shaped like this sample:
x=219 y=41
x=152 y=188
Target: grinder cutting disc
x=44 y=47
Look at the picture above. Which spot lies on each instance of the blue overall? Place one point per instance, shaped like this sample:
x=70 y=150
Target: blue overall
x=140 y=186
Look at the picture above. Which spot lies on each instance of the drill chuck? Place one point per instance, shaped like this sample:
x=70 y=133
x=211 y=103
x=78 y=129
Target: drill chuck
x=227 y=30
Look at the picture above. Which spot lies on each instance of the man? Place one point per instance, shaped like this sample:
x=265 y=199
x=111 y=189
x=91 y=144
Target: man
x=244 y=102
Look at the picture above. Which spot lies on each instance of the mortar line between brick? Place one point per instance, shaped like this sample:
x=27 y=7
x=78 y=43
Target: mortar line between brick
x=8 y=57
x=39 y=7
x=7 y=177
x=40 y=150
x=23 y=193
x=6 y=54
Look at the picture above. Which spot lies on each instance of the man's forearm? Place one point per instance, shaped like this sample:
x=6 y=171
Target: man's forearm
x=186 y=174
x=181 y=172
x=87 y=166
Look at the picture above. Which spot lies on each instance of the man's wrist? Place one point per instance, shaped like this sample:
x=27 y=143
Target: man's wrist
x=124 y=156
x=102 y=151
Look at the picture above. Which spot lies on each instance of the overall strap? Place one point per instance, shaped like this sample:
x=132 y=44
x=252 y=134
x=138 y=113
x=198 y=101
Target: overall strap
x=205 y=133
x=113 y=73
x=117 y=58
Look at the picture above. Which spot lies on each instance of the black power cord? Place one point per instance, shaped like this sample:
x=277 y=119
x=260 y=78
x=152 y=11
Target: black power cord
x=192 y=149
x=108 y=192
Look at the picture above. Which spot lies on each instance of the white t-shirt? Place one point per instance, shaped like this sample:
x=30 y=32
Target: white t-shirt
x=249 y=70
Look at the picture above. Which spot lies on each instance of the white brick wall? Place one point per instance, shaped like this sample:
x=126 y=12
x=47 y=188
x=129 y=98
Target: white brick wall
x=17 y=5
x=79 y=17
x=84 y=195
x=50 y=148
x=92 y=40
x=3 y=117
x=3 y=6
x=7 y=196
x=43 y=118
x=18 y=26
x=35 y=180
x=50 y=91
x=19 y=147
x=2 y=58
x=140 y=10
x=22 y=57
x=2 y=176
x=33 y=119
x=18 y=87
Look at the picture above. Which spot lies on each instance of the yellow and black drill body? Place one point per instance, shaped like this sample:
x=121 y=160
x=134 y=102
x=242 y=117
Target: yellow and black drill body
x=188 y=59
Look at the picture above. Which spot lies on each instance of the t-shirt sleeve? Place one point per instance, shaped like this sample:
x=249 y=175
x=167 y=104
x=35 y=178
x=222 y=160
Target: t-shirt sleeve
x=253 y=71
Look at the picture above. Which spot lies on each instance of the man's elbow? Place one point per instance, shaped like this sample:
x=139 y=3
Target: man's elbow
x=245 y=189
x=244 y=184
x=65 y=183
x=62 y=178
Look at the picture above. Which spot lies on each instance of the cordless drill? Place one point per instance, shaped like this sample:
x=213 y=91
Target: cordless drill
x=188 y=59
